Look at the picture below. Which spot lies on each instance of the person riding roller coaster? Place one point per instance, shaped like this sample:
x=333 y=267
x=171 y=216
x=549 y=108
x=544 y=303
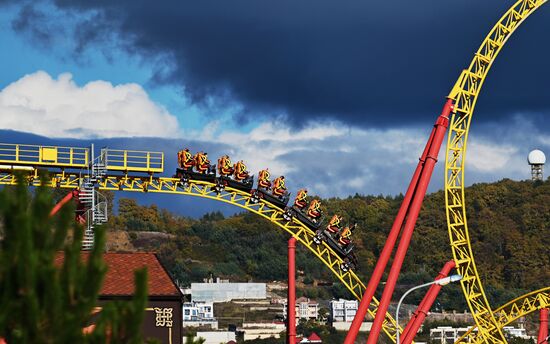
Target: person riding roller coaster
x=333 y=226
x=185 y=159
x=345 y=236
x=240 y=171
x=300 y=201
x=279 y=187
x=263 y=179
x=225 y=168
x=201 y=162
x=314 y=209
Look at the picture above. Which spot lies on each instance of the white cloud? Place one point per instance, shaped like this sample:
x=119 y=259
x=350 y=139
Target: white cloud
x=40 y=104
x=332 y=159
x=489 y=157
x=329 y=158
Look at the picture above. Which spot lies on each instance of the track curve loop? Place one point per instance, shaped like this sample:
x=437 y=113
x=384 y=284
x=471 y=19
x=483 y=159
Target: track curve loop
x=465 y=94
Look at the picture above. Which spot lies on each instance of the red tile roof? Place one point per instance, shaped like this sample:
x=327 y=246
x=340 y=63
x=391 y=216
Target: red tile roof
x=119 y=279
x=314 y=337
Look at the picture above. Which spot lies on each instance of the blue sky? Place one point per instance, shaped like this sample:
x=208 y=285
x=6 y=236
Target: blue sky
x=339 y=98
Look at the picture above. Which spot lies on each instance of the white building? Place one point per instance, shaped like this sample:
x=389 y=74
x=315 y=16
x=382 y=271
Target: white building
x=305 y=309
x=516 y=332
x=343 y=310
x=199 y=313
x=193 y=311
x=448 y=334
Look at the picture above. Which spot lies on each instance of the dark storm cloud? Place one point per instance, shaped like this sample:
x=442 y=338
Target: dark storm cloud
x=363 y=62
x=40 y=26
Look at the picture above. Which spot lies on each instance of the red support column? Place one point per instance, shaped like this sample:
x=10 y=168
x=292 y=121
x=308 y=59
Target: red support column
x=420 y=314
x=387 y=250
x=291 y=309
x=543 y=329
x=63 y=201
x=441 y=126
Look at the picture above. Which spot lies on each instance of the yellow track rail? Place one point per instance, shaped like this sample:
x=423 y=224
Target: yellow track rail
x=465 y=94
x=232 y=196
x=512 y=311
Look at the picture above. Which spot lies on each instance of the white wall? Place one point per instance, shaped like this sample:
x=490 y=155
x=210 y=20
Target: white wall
x=216 y=337
x=223 y=292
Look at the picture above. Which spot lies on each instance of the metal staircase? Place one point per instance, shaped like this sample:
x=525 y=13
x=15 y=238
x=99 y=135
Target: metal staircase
x=94 y=202
x=98 y=168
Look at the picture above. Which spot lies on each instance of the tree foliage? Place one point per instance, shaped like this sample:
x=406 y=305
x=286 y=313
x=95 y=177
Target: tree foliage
x=190 y=339
x=42 y=301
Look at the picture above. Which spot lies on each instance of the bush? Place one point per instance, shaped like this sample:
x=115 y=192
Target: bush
x=41 y=302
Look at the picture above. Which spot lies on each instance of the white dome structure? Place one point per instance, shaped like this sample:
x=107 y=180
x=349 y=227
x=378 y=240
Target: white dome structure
x=536 y=157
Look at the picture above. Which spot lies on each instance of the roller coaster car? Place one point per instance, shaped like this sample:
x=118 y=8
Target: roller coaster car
x=186 y=174
x=244 y=185
x=349 y=260
x=278 y=201
x=294 y=211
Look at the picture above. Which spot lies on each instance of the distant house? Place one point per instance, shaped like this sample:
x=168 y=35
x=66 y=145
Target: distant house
x=343 y=310
x=305 y=309
x=447 y=334
x=163 y=314
x=199 y=314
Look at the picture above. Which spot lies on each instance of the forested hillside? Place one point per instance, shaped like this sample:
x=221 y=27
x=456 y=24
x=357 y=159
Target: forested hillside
x=509 y=225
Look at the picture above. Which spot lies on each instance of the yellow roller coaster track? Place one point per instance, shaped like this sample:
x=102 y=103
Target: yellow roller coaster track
x=152 y=184
x=512 y=311
x=465 y=94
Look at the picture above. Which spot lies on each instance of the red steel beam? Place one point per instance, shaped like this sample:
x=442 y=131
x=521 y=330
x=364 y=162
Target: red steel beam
x=63 y=201
x=291 y=309
x=441 y=125
x=387 y=250
x=543 y=329
x=420 y=314
x=390 y=242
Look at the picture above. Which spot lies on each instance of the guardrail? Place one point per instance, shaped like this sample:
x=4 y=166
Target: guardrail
x=22 y=154
x=133 y=161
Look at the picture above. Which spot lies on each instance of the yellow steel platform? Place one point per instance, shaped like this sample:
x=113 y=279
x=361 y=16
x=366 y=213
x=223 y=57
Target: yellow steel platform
x=47 y=156
x=24 y=156
x=133 y=161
